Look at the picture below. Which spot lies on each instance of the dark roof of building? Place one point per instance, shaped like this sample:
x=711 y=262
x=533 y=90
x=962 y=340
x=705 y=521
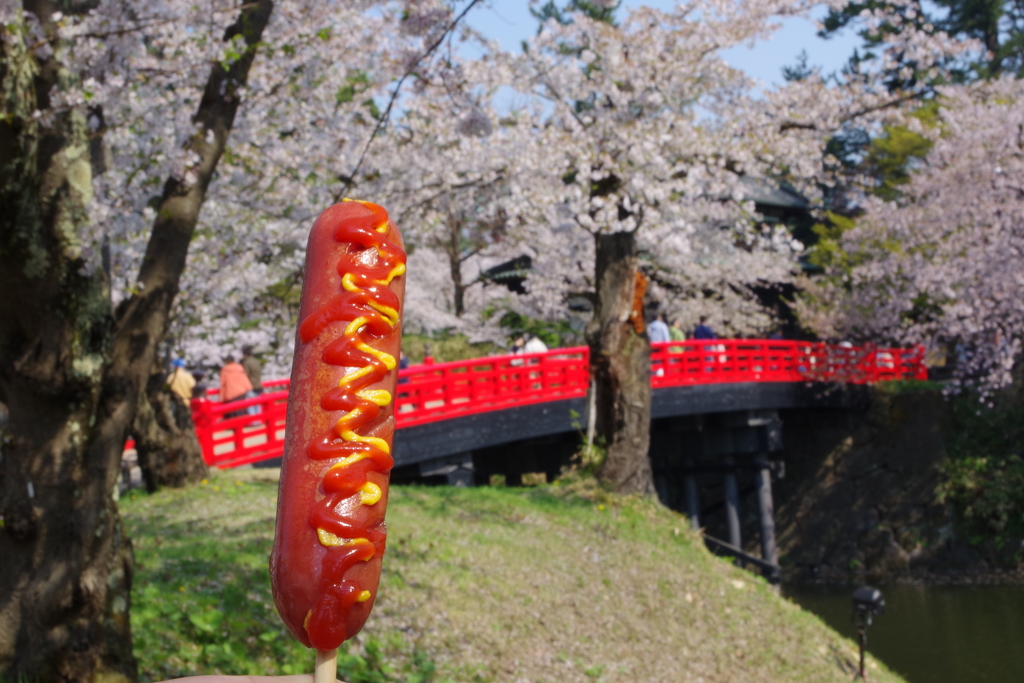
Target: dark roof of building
x=511 y=273
x=768 y=193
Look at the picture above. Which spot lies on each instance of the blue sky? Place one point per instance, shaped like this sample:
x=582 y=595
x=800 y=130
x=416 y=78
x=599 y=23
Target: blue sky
x=510 y=22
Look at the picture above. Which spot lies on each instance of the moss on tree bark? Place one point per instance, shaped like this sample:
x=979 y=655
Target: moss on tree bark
x=72 y=370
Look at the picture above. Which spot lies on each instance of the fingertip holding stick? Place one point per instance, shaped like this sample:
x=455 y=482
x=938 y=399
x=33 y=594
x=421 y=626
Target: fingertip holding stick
x=326 y=666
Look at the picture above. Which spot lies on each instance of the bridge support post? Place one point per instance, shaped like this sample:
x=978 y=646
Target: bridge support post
x=463 y=476
x=766 y=511
x=457 y=469
x=692 y=496
x=732 y=502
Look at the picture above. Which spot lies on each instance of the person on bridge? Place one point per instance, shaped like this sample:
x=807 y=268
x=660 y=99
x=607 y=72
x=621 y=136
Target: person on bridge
x=180 y=381
x=534 y=344
x=702 y=331
x=234 y=384
x=528 y=343
x=676 y=332
x=253 y=369
x=200 y=389
x=403 y=363
x=658 y=331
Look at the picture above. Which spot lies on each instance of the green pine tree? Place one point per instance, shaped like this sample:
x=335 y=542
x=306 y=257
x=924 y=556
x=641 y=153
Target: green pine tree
x=998 y=24
x=597 y=12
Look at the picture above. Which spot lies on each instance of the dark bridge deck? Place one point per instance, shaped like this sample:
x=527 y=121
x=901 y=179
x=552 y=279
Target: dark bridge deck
x=436 y=440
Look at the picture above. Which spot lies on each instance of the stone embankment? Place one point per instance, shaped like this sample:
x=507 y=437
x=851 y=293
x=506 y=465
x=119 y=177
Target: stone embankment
x=859 y=500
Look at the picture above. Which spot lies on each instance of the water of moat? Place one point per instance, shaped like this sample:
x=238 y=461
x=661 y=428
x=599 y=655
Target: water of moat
x=935 y=634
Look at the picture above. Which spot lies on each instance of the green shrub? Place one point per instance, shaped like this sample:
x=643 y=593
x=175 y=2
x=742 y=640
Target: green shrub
x=444 y=348
x=984 y=474
x=555 y=335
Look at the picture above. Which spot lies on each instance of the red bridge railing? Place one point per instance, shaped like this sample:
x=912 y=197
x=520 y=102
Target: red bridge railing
x=231 y=436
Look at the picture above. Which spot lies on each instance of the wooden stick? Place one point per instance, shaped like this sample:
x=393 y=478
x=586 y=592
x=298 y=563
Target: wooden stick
x=326 y=666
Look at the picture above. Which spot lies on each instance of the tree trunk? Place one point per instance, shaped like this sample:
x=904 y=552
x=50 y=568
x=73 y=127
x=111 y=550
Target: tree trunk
x=620 y=364
x=459 y=288
x=65 y=577
x=991 y=38
x=165 y=438
x=454 y=251
x=71 y=370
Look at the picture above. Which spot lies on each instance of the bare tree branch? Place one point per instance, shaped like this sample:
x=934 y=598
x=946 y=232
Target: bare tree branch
x=386 y=114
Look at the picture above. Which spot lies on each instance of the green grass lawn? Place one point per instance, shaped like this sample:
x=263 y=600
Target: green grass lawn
x=556 y=583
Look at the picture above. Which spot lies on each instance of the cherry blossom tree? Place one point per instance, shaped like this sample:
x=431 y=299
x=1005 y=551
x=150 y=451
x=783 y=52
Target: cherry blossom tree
x=445 y=165
x=649 y=139
x=639 y=129
x=115 y=123
x=940 y=265
x=73 y=368
x=295 y=150
x=448 y=170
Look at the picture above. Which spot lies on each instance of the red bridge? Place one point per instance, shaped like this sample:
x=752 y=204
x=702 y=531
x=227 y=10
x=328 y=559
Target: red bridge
x=549 y=388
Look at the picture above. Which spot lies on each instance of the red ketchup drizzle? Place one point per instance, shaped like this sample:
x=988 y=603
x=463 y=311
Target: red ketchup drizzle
x=350 y=538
